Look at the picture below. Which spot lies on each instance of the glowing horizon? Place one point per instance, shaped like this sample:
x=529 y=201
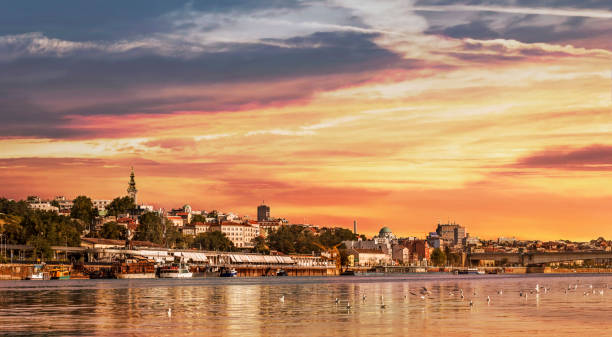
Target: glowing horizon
x=400 y=114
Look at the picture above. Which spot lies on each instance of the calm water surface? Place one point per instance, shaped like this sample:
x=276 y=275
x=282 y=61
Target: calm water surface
x=252 y=306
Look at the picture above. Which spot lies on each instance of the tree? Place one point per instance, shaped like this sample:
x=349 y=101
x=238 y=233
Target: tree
x=438 y=257
x=83 y=209
x=260 y=245
x=41 y=248
x=14 y=232
x=212 y=214
x=330 y=237
x=120 y=205
x=17 y=208
x=39 y=229
x=113 y=231
x=174 y=238
x=151 y=228
x=215 y=240
x=293 y=239
x=344 y=261
x=198 y=218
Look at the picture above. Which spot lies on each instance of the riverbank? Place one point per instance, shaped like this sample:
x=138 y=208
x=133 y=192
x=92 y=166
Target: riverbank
x=25 y=271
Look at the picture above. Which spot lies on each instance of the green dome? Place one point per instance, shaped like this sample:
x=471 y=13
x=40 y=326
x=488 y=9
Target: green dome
x=384 y=230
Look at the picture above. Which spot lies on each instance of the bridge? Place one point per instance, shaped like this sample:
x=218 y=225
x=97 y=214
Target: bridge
x=538 y=258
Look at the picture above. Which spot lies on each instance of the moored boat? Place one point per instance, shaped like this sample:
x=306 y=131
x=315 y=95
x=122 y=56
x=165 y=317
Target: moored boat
x=134 y=268
x=228 y=273
x=38 y=273
x=175 y=270
x=470 y=271
x=59 y=273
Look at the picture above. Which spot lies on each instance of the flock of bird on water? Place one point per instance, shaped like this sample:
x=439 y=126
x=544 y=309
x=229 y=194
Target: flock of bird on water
x=424 y=294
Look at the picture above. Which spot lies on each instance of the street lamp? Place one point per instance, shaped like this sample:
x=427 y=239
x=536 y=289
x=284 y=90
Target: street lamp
x=3 y=238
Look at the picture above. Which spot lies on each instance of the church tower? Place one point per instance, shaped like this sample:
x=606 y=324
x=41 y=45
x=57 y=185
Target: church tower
x=132 y=191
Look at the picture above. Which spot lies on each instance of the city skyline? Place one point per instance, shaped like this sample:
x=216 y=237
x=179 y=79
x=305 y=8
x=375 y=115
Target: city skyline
x=493 y=114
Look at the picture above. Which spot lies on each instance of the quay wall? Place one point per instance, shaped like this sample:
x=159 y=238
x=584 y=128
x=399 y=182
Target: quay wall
x=15 y=271
x=578 y=270
x=256 y=271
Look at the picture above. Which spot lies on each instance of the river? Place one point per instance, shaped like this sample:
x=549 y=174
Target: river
x=253 y=306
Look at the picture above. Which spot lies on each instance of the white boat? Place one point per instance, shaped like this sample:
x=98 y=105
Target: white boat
x=175 y=270
x=229 y=273
x=38 y=273
x=39 y=276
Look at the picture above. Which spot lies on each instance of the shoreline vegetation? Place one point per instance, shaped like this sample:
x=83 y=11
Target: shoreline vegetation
x=21 y=225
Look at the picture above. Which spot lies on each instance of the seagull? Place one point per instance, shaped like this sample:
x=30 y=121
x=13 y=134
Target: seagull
x=282 y=299
x=471 y=304
x=601 y=292
x=521 y=293
x=348 y=304
x=422 y=297
x=500 y=292
x=364 y=297
x=537 y=288
x=488 y=299
x=337 y=300
x=169 y=312
x=405 y=297
x=382 y=302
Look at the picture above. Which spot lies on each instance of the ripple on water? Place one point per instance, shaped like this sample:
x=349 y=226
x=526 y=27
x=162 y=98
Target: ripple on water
x=251 y=306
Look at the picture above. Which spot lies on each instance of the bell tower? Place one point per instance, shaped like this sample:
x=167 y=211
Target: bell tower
x=132 y=191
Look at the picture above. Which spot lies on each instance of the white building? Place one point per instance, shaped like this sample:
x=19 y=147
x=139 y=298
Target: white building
x=43 y=206
x=175 y=220
x=368 y=257
x=101 y=204
x=63 y=202
x=195 y=228
x=240 y=234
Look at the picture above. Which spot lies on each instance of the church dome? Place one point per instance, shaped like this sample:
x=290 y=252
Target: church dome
x=384 y=230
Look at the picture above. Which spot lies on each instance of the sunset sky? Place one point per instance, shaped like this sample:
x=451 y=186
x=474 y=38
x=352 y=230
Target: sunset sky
x=493 y=114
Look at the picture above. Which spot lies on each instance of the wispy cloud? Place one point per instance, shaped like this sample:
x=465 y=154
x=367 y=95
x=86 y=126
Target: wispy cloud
x=567 y=12
x=590 y=158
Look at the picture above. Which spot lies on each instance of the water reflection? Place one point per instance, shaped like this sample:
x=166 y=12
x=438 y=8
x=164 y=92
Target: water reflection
x=251 y=307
